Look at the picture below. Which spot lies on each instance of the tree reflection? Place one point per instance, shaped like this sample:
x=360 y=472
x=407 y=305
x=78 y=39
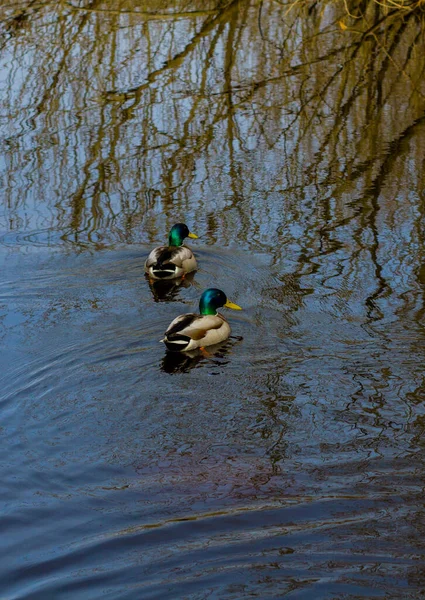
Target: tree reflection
x=133 y=112
x=246 y=117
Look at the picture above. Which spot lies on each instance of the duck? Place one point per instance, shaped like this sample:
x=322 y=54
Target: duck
x=174 y=260
x=190 y=331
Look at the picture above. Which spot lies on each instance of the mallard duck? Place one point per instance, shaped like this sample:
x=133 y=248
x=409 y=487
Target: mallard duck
x=174 y=260
x=191 y=331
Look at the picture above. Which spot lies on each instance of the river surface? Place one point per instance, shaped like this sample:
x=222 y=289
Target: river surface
x=290 y=461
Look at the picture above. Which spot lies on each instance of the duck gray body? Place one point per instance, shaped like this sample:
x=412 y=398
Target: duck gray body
x=169 y=262
x=191 y=331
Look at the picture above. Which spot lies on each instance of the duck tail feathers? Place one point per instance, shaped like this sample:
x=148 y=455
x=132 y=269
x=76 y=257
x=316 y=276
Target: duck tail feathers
x=177 y=343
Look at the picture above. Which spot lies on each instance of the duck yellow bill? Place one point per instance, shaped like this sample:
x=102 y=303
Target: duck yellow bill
x=193 y=236
x=232 y=305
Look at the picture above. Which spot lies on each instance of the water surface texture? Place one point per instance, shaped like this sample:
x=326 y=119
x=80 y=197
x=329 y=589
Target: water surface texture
x=290 y=461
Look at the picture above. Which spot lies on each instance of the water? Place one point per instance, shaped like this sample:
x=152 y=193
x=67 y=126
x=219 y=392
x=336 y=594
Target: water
x=289 y=461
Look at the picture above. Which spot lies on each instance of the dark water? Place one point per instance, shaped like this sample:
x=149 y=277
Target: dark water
x=289 y=462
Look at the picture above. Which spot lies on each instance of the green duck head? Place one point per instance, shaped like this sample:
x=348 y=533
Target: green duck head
x=178 y=233
x=212 y=299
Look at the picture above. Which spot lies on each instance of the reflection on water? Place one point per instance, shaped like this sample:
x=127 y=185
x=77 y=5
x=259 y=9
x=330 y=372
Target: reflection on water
x=214 y=356
x=164 y=291
x=290 y=460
